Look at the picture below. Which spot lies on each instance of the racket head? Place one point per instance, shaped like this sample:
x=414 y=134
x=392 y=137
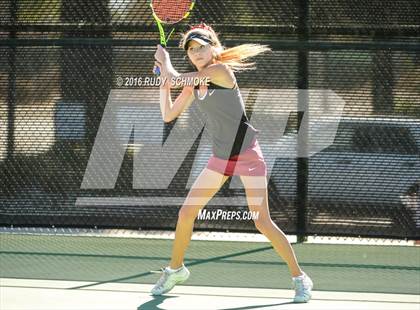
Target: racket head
x=171 y=11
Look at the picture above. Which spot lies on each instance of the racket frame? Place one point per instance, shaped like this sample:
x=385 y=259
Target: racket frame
x=162 y=35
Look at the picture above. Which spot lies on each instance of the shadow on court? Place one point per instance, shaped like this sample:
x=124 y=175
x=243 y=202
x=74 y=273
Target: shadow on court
x=157 y=300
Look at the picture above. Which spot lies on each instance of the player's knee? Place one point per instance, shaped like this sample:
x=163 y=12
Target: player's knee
x=263 y=224
x=256 y=198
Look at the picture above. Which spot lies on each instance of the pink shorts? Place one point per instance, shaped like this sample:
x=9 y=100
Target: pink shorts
x=249 y=163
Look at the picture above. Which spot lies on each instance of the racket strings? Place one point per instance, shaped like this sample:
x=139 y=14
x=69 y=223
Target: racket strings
x=171 y=11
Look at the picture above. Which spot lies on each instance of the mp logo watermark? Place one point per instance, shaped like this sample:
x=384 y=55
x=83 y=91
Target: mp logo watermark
x=132 y=119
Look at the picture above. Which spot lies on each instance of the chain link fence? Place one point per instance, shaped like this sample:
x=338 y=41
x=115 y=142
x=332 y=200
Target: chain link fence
x=59 y=61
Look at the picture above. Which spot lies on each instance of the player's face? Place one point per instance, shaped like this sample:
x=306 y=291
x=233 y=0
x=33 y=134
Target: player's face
x=200 y=55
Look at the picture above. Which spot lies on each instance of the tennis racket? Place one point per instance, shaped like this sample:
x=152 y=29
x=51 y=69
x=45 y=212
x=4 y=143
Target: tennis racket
x=169 y=13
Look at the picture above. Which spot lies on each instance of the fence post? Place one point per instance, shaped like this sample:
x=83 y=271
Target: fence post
x=302 y=161
x=11 y=94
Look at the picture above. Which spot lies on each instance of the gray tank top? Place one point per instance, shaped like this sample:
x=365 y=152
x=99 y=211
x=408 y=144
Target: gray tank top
x=227 y=123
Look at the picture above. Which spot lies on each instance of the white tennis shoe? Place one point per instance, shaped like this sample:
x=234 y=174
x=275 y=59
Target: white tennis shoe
x=169 y=279
x=303 y=286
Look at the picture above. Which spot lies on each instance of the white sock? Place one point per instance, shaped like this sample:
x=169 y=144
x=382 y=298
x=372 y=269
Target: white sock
x=299 y=277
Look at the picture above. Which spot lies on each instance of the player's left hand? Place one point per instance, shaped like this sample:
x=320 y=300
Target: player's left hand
x=161 y=55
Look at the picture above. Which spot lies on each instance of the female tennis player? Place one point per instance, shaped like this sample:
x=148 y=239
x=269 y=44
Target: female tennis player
x=235 y=148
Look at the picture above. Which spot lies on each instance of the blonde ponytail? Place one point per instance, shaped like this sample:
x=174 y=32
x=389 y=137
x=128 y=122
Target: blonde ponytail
x=235 y=57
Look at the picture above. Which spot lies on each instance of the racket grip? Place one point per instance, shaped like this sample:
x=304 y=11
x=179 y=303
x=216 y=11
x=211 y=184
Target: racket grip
x=156 y=70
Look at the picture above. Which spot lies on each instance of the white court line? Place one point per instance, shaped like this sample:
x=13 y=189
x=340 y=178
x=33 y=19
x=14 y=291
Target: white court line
x=31 y=294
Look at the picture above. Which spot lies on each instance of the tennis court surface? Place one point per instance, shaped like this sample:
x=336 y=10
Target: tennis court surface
x=91 y=272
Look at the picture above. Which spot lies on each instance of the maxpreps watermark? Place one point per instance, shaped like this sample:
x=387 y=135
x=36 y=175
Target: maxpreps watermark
x=157 y=81
x=219 y=214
